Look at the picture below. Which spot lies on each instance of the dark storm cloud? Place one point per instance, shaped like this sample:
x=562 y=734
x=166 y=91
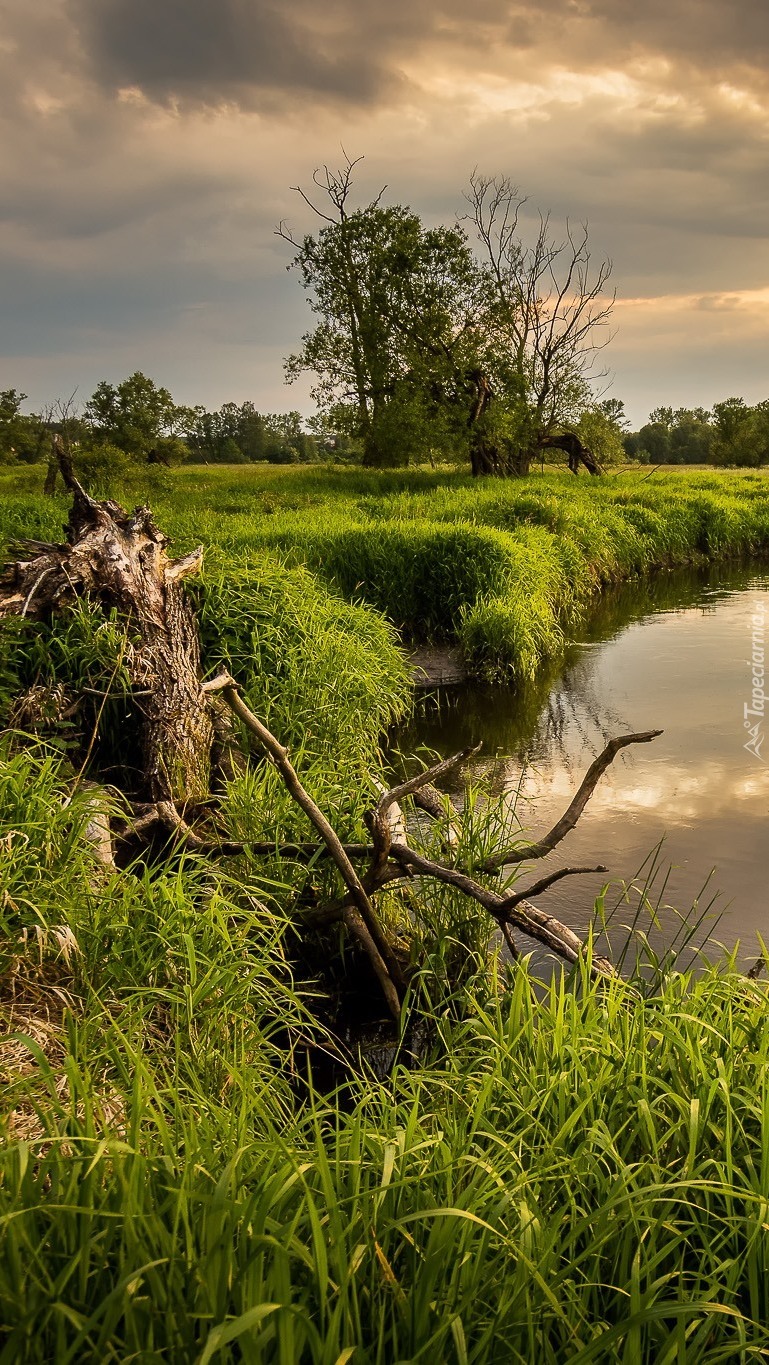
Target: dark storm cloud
x=220 y=51
x=240 y=51
x=714 y=34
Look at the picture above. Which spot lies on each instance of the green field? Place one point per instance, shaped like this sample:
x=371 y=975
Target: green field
x=502 y=567
x=574 y=1173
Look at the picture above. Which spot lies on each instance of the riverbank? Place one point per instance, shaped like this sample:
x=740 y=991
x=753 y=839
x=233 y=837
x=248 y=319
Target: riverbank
x=500 y=569
x=578 y=1173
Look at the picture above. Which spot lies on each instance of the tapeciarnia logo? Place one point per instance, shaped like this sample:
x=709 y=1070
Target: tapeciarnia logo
x=754 y=711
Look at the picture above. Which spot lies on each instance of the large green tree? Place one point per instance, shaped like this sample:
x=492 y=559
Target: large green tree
x=426 y=346
x=397 y=305
x=741 y=435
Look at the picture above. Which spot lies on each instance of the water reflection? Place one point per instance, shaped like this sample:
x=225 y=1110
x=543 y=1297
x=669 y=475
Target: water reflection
x=669 y=655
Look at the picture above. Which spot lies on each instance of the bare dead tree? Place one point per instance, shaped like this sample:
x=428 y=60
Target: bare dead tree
x=58 y=419
x=552 y=310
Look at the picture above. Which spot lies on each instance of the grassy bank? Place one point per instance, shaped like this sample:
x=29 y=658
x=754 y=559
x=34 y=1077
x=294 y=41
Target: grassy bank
x=579 y=1173
x=502 y=567
x=578 y=1176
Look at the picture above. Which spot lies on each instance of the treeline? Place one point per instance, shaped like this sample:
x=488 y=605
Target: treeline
x=732 y=433
x=138 y=421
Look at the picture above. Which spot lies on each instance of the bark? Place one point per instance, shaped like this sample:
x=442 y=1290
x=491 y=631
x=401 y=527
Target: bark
x=118 y=559
x=577 y=452
x=486 y=455
x=52 y=468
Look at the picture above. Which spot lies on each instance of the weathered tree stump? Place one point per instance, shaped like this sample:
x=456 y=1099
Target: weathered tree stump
x=118 y=559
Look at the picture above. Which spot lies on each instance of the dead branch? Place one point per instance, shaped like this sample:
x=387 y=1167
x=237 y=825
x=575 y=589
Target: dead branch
x=526 y=852
x=440 y=808
x=521 y=914
x=361 y=920
x=546 y=882
x=378 y=822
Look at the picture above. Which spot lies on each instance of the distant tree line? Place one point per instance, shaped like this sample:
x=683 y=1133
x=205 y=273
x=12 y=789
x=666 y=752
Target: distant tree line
x=137 y=421
x=732 y=434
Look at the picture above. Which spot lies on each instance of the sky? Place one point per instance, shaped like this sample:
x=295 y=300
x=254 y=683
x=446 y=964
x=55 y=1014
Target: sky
x=148 y=149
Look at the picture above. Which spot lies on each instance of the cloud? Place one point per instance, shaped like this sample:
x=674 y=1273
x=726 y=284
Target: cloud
x=147 y=148
x=358 y=52
x=216 y=52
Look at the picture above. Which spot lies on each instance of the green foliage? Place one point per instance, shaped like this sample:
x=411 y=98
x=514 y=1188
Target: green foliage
x=22 y=438
x=101 y=465
x=570 y=1172
x=503 y=568
x=741 y=433
x=391 y=296
x=135 y=415
x=241 y=435
x=602 y=434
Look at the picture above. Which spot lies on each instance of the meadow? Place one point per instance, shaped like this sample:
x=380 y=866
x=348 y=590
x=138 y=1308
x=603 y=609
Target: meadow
x=573 y=1172
x=502 y=567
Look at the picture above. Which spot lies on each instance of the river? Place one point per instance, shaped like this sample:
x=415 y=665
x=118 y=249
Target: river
x=673 y=653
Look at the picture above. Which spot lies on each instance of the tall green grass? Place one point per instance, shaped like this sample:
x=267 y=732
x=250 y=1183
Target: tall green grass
x=578 y=1172
x=565 y=1172
x=501 y=567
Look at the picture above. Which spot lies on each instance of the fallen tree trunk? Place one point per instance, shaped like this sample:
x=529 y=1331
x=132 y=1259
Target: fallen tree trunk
x=578 y=453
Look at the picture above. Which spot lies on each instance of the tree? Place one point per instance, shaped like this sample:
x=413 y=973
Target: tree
x=664 y=417
x=396 y=303
x=691 y=437
x=654 y=439
x=547 y=313
x=138 y=417
x=741 y=434
x=22 y=437
x=241 y=435
x=614 y=411
x=673 y=436
x=287 y=442
x=600 y=432
x=424 y=348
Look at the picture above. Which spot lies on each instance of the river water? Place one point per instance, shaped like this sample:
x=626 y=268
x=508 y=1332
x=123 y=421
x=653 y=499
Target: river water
x=674 y=653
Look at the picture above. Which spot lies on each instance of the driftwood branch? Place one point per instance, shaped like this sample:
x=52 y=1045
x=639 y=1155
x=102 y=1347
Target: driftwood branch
x=526 y=852
x=392 y=859
x=378 y=821
x=546 y=882
x=514 y=912
x=441 y=809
